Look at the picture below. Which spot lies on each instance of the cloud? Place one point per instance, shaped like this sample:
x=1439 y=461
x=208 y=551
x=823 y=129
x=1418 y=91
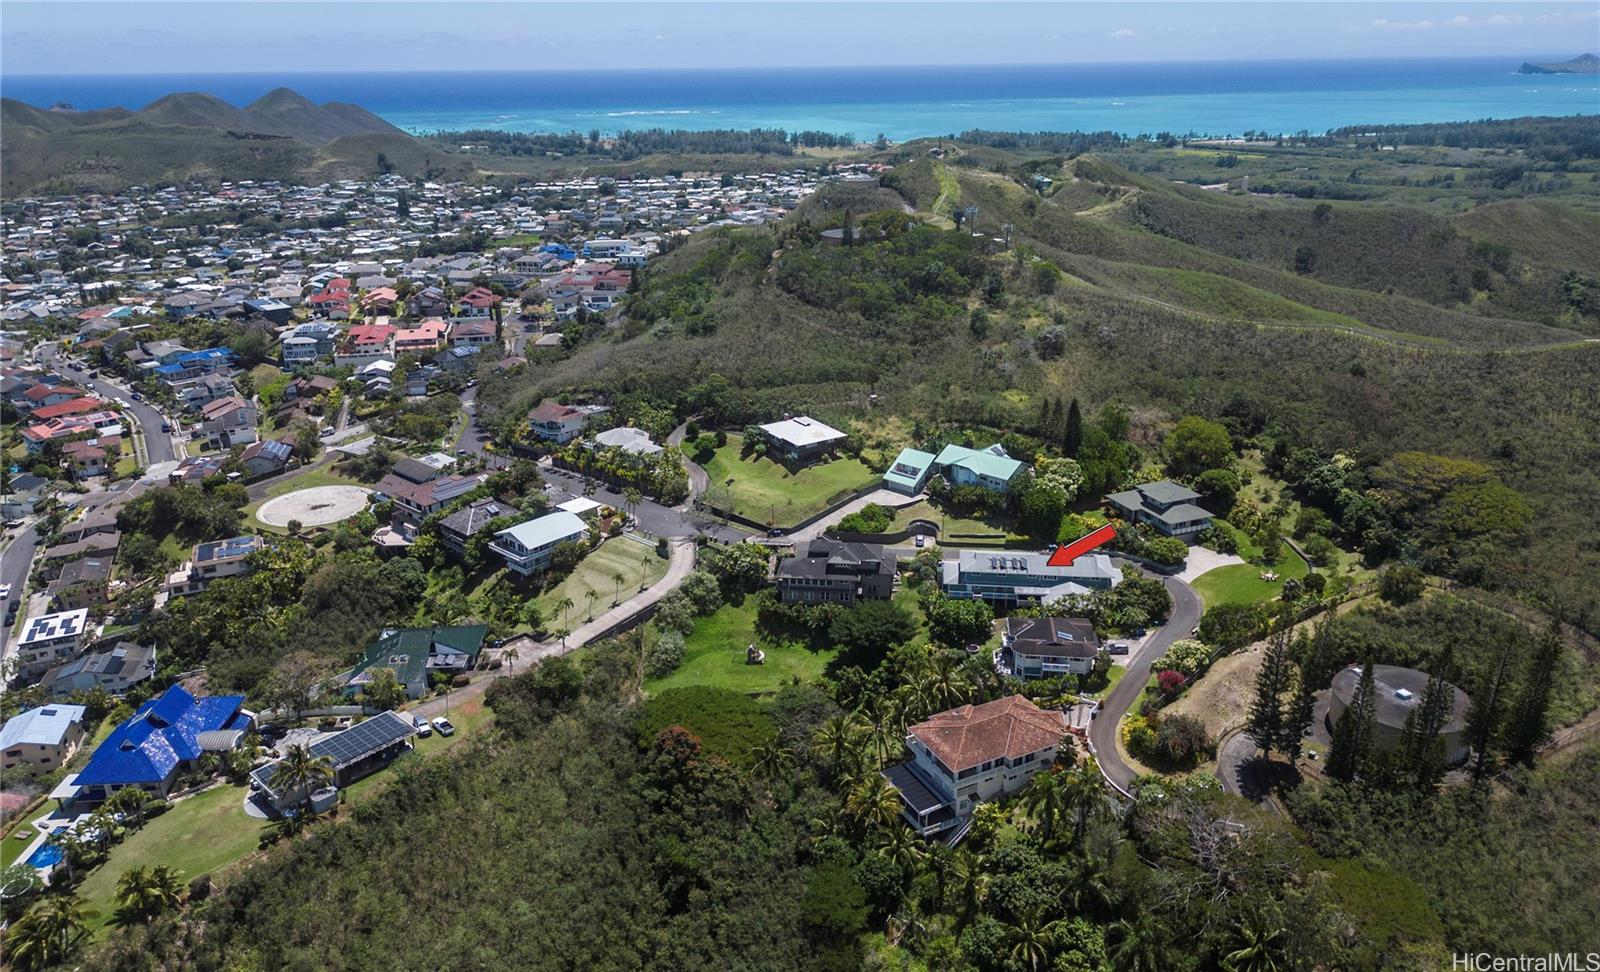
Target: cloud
x=1382 y=24
x=1123 y=34
x=1504 y=20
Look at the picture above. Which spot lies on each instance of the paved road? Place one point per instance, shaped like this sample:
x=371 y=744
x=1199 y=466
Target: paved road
x=529 y=651
x=158 y=446
x=470 y=439
x=699 y=480
x=1186 y=608
x=653 y=518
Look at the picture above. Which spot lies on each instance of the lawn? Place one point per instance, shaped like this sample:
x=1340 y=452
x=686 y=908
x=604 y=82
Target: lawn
x=265 y=374
x=956 y=529
x=637 y=563
x=765 y=491
x=714 y=654
x=319 y=476
x=199 y=835
x=1242 y=583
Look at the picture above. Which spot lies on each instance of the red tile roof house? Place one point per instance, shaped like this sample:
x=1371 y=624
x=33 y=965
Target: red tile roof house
x=479 y=302
x=72 y=406
x=557 y=422
x=334 y=305
x=426 y=336
x=70 y=427
x=42 y=396
x=972 y=754
x=364 y=344
x=380 y=300
x=228 y=422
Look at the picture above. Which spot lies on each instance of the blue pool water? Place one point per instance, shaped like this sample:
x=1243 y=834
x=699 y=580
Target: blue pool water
x=48 y=855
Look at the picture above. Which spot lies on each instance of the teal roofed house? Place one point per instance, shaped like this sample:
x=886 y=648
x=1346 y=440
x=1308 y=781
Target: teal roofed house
x=909 y=471
x=416 y=653
x=989 y=468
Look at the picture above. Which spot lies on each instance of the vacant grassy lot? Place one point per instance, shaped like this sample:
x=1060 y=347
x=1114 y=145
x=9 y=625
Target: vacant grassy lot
x=1222 y=696
x=958 y=530
x=1242 y=583
x=765 y=491
x=637 y=564
x=199 y=835
x=714 y=654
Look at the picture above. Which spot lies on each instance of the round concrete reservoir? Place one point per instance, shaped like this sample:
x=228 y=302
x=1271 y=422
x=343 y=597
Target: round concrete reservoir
x=1397 y=693
x=324 y=799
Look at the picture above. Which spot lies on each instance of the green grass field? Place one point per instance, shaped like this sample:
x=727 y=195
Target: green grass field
x=952 y=525
x=765 y=491
x=1242 y=583
x=320 y=476
x=637 y=564
x=714 y=654
x=199 y=835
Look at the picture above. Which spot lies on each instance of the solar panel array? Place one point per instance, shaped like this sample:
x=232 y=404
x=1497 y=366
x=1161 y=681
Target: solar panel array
x=363 y=739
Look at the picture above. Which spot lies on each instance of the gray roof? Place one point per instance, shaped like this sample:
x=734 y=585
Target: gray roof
x=814 y=558
x=1165 y=491
x=475 y=516
x=1389 y=681
x=1053 y=637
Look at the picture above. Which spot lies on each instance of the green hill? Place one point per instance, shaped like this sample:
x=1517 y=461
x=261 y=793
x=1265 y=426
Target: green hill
x=281 y=135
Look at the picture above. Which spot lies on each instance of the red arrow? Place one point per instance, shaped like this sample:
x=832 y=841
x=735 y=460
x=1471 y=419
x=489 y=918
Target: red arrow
x=1066 y=554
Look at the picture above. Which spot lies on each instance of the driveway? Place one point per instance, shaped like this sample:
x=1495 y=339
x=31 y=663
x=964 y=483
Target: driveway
x=680 y=564
x=653 y=518
x=1201 y=560
x=1186 y=608
x=882 y=497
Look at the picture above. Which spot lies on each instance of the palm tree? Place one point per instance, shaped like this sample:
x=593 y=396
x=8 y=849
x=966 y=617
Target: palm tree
x=1031 y=938
x=1045 y=800
x=510 y=654
x=591 y=595
x=1091 y=885
x=970 y=879
x=631 y=498
x=908 y=851
x=875 y=802
x=1260 y=948
x=1084 y=792
x=1138 y=947
x=145 y=893
x=71 y=844
x=129 y=800
x=301 y=772
x=49 y=933
x=773 y=762
x=617 y=579
x=836 y=741
x=883 y=729
x=563 y=605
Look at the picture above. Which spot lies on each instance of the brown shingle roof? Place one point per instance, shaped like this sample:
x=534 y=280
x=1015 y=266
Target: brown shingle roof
x=1006 y=728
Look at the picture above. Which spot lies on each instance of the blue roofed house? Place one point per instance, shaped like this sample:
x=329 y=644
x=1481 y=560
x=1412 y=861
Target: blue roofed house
x=163 y=739
x=1163 y=504
x=909 y=471
x=526 y=547
x=989 y=468
x=39 y=740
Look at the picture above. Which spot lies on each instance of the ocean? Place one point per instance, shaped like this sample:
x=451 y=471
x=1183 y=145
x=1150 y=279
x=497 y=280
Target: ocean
x=1204 y=98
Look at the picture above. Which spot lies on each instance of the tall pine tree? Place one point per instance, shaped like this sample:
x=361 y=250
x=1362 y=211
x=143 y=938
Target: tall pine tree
x=1267 y=715
x=1073 y=438
x=1483 y=721
x=1530 y=718
x=1420 y=761
x=1350 y=758
x=1315 y=657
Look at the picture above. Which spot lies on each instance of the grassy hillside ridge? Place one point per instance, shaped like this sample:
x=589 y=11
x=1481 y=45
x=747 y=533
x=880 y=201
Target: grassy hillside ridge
x=279 y=136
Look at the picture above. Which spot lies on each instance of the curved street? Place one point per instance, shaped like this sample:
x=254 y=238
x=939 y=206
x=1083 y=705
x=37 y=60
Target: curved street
x=1186 y=608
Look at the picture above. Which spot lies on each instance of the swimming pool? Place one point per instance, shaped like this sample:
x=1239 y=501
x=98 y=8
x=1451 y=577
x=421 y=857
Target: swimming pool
x=49 y=855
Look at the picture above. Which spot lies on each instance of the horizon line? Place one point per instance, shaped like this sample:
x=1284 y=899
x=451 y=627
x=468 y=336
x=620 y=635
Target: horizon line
x=268 y=72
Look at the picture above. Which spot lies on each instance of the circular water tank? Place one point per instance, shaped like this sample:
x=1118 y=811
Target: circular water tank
x=324 y=799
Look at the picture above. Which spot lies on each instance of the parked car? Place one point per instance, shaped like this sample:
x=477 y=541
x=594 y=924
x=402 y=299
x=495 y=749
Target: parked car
x=5 y=591
x=444 y=726
x=921 y=541
x=166 y=426
x=424 y=729
x=777 y=532
x=1118 y=648
x=136 y=396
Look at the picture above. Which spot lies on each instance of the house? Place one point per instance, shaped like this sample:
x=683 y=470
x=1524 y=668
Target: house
x=1164 y=505
x=364 y=344
x=479 y=302
x=352 y=754
x=212 y=561
x=115 y=671
x=195 y=469
x=459 y=527
x=909 y=471
x=88 y=459
x=561 y=423
x=228 y=422
x=49 y=639
x=26 y=491
x=1014 y=577
x=1047 y=647
x=526 y=547
x=462 y=358
x=93 y=522
x=428 y=302
x=81 y=584
x=205 y=390
x=425 y=338
x=266 y=457
x=36 y=437
x=416 y=654
x=273 y=310
x=163 y=738
x=39 y=740
x=53 y=559
x=970 y=754
x=824 y=571
x=380 y=300
x=631 y=441
x=473 y=332
x=988 y=468
x=801 y=439
x=67 y=409
x=415 y=502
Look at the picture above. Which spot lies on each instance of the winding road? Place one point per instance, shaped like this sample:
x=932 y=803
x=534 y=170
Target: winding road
x=1186 y=608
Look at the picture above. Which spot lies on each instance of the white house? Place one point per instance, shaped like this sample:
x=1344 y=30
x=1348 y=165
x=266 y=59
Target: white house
x=49 y=639
x=967 y=755
x=801 y=439
x=39 y=740
x=1008 y=577
x=526 y=547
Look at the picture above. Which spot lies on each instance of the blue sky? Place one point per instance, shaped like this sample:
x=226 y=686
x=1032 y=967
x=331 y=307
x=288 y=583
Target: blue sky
x=210 y=36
